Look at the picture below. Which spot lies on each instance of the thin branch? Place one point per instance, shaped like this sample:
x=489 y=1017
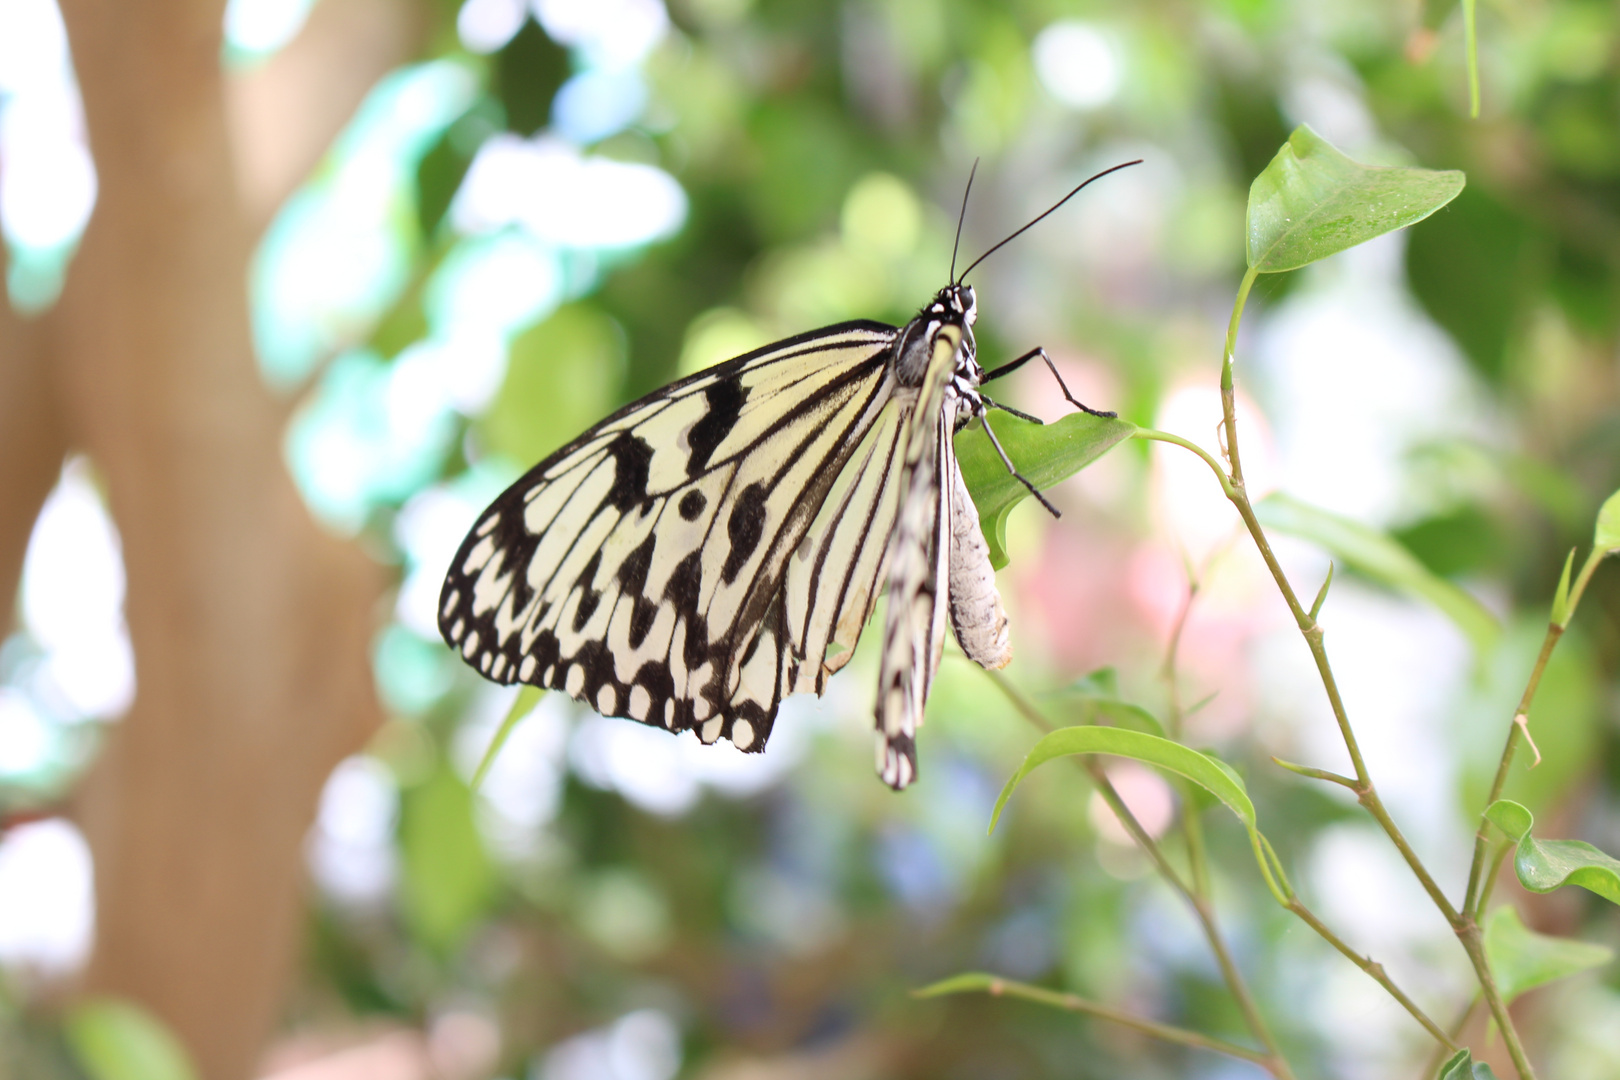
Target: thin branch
x=1187 y=444
x=998 y=987
x=1316 y=774
x=1374 y=969
x=1462 y=923
x=1555 y=632
x=1474 y=942
x=1490 y=879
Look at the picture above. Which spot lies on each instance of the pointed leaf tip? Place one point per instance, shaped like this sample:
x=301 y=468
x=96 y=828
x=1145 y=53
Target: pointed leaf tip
x=1523 y=959
x=1560 y=606
x=1382 y=558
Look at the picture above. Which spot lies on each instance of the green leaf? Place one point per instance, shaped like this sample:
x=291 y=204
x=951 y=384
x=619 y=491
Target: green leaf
x=1511 y=818
x=1212 y=774
x=1462 y=1066
x=1045 y=453
x=115 y=1039
x=1312 y=201
x=1381 y=558
x=1209 y=773
x=1523 y=959
x=1606 y=538
x=448 y=880
x=522 y=706
x=1545 y=865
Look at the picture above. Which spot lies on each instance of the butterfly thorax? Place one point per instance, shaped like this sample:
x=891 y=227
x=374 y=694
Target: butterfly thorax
x=952 y=307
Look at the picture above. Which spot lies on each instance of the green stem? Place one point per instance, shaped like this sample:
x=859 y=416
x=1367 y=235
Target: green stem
x=1502 y=852
x=1472 y=901
x=1593 y=557
x=1275 y=1063
x=1474 y=942
x=1311 y=630
x=1471 y=44
x=1374 y=969
x=999 y=987
x=1228 y=388
x=1464 y=925
x=1165 y=436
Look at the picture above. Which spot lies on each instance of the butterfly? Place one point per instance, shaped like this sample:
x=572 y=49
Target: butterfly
x=720 y=544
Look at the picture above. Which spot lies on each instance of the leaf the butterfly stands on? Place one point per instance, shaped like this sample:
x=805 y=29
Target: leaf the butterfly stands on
x=689 y=561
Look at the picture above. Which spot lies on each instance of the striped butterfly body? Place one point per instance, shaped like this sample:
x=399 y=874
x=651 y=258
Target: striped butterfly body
x=719 y=544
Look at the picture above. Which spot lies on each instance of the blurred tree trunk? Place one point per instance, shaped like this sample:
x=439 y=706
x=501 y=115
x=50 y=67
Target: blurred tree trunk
x=251 y=628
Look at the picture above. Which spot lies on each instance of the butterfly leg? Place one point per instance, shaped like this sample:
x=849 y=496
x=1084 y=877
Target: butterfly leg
x=1013 y=365
x=1009 y=409
x=1007 y=461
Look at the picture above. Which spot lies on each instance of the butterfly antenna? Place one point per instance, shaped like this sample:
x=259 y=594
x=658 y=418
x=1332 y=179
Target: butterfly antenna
x=962 y=216
x=1033 y=223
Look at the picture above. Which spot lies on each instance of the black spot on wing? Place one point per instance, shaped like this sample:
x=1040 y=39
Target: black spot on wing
x=642 y=615
x=633 y=571
x=655 y=678
x=545 y=652
x=632 y=458
x=692 y=504
x=633 y=579
x=725 y=400
x=589 y=598
x=745 y=527
x=685 y=584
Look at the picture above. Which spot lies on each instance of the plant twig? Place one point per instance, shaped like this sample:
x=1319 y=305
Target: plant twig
x=1165 y=436
x=1555 y=632
x=1462 y=923
x=999 y=987
x=1490 y=878
x=1474 y=942
x=1374 y=969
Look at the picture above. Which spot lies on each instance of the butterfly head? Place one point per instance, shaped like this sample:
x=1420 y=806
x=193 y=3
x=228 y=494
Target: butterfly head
x=949 y=314
x=953 y=304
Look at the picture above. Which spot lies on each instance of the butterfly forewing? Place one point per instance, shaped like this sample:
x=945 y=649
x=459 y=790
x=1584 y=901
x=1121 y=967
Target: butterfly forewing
x=640 y=568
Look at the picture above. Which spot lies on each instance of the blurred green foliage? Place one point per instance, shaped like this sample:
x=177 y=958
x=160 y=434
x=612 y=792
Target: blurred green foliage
x=822 y=150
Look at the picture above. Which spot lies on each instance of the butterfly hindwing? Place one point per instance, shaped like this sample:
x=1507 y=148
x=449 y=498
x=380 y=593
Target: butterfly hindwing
x=832 y=580
x=640 y=568
x=914 y=628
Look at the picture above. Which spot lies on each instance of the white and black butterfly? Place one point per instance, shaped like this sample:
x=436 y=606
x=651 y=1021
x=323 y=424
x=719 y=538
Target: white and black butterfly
x=719 y=544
